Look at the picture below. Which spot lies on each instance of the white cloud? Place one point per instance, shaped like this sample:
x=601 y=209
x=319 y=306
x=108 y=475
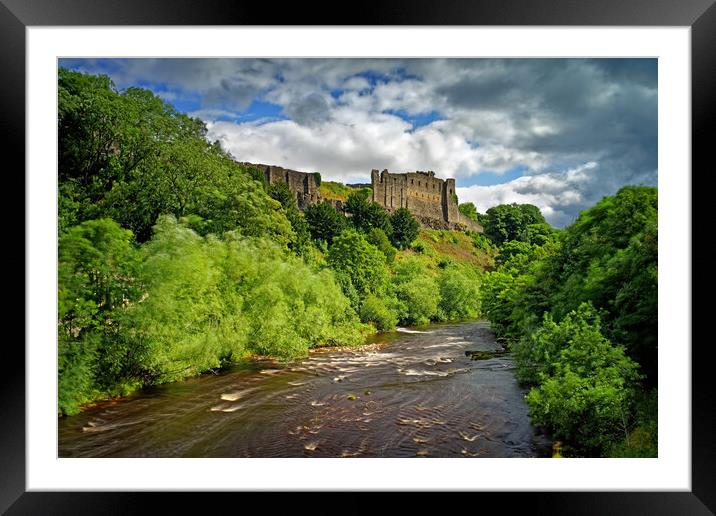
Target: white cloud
x=559 y=195
x=353 y=143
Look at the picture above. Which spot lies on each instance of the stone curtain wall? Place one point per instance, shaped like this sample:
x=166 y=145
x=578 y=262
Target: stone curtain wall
x=302 y=184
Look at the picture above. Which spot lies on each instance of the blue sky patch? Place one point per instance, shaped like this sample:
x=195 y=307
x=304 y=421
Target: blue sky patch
x=492 y=178
x=417 y=120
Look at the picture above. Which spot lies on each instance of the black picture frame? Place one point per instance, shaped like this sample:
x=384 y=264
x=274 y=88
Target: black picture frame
x=16 y=15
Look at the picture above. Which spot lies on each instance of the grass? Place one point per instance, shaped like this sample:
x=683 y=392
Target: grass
x=441 y=246
x=333 y=190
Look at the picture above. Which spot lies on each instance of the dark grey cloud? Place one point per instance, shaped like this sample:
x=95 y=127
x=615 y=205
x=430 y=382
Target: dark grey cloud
x=235 y=92
x=309 y=109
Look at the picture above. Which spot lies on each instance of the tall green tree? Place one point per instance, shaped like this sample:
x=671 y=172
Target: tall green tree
x=130 y=156
x=366 y=215
x=97 y=267
x=363 y=263
x=585 y=384
x=324 y=222
x=507 y=221
x=405 y=228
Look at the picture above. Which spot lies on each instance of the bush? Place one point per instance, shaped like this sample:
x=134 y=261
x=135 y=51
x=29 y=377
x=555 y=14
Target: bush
x=184 y=304
x=378 y=238
x=361 y=261
x=212 y=298
x=459 y=293
x=586 y=384
x=416 y=291
x=418 y=247
x=405 y=228
x=374 y=310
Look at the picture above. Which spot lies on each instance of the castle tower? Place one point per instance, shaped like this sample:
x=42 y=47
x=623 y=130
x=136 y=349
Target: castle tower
x=449 y=205
x=375 y=183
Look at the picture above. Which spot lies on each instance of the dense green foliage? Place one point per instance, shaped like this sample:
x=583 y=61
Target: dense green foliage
x=378 y=238
x=405 y=228
x=584 y=382
x=469 y=210
x=359 y=262
x=367 y=215
x=580 y=309
x=507 y=221
x=130 y=156
x=96 y=278
x=183 y=304
x=324 y=222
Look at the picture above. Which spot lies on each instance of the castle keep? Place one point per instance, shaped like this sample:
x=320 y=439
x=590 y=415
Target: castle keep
x=430 y=199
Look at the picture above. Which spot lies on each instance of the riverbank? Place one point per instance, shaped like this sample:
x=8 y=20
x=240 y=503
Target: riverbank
x=372 y=342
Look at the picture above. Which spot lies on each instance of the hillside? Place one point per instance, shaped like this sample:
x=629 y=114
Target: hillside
x=441 y=246
x=337 y=191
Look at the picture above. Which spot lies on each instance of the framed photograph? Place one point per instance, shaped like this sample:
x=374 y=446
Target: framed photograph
x=398 y=84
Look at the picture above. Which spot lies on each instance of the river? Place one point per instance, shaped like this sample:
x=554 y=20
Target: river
x=414 y=393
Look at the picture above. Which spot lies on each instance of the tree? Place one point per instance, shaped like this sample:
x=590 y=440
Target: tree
x=416 y=290
x=459 y=293
x=538 y=234
x=469 y=210
x=609 y=257
x=96 y=279
x=374 y=310
x=130 y=156
x=378 y=238
x=361 y=261
x=282 y=193
x=507 y=221
x=405 y=228
x=366 y=215
x=324 y=222
x=585 y=384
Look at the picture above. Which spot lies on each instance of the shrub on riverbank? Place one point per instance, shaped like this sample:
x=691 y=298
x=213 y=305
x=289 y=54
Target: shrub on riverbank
x=583 y=385
x=183 y=304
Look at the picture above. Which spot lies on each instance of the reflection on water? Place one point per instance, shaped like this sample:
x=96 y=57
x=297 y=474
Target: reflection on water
x=418 y=395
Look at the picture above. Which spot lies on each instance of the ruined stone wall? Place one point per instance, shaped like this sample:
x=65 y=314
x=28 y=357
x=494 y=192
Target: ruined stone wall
x=470 y=225
x=424 y=195
x=430 y=199
x=303 y=184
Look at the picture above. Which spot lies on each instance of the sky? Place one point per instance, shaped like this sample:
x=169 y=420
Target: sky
x=557 y=133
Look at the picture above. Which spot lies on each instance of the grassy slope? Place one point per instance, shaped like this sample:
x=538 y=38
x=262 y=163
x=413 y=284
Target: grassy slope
x=334 y=190
x=437 y=246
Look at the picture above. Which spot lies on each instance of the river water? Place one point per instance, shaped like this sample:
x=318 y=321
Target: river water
x=415 y=393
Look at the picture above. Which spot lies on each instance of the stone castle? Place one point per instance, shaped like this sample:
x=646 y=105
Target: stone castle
x=431 y=200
